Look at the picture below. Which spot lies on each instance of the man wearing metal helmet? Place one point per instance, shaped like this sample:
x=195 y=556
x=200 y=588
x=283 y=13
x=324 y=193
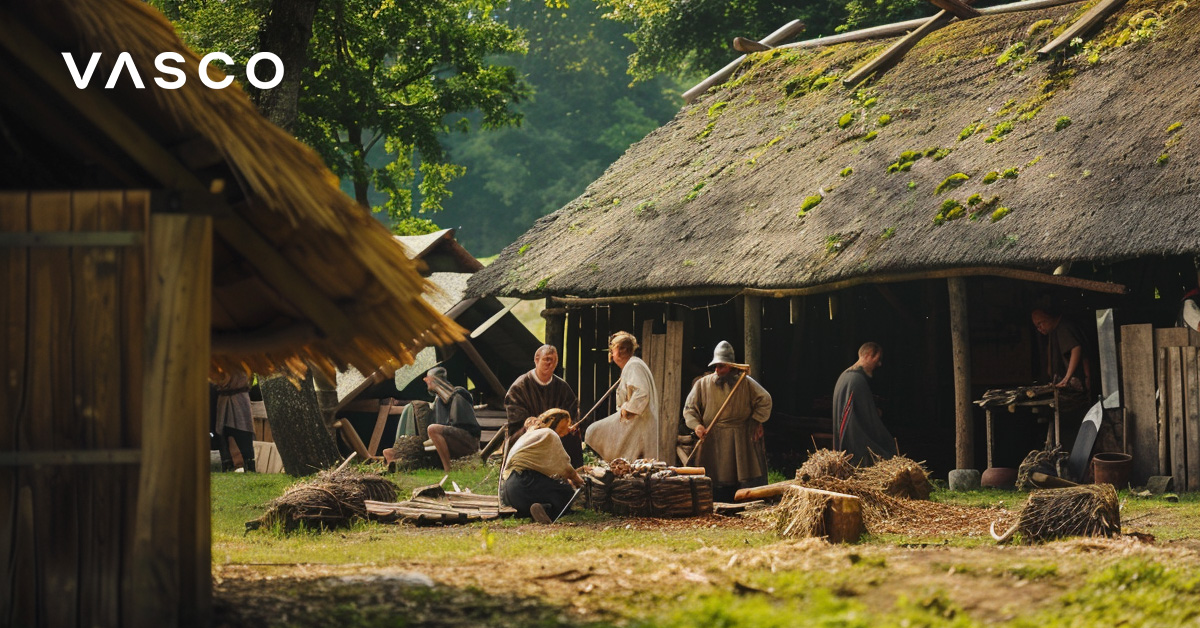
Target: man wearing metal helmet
x=726 y=409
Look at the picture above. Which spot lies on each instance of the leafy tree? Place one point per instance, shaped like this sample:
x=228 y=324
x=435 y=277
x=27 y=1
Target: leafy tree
x=581 y=116
x=380 y=74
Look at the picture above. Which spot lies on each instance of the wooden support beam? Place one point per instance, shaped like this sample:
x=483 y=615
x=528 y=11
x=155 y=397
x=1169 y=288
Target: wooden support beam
x=782 y=34
x=961 y=10
x=897 y=50
x=964 y=431
x=477 y=360
x=1137 y=396
x=752 y=335
x=1085 y=23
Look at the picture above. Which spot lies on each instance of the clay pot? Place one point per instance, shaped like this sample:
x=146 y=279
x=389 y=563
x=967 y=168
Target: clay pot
x=999 y=477
x=1112 y=468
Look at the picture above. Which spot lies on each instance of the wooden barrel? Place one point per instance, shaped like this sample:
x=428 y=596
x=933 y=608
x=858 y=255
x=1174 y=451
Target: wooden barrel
x=680 y=496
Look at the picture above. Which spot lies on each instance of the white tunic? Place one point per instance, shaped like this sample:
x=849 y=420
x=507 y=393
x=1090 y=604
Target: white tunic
x=637 y=436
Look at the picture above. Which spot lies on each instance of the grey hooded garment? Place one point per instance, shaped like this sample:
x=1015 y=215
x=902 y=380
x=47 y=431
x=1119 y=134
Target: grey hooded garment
x=856 y=425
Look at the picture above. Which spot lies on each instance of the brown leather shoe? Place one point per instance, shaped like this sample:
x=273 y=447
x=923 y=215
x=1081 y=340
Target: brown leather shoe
x=538 y=512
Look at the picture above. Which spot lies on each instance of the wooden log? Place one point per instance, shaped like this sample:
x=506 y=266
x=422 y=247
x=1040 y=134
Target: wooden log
x=752 y=334
x=1175 y=393
x=762 y=492
x=688 y=470
x=1191 y=419
x=841 y=518
x=782 y=34
x=960 y=340
x=350 y=435
x=385 y=406
x=961 y=10
x=744 y=45
x=1085 y=23
x=172 y=569
x=897 y=50
x=1164 y=416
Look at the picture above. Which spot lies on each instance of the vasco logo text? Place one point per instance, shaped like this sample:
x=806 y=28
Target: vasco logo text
x=125 y=64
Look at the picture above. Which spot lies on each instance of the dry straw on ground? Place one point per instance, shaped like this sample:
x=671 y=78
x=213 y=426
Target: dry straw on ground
x=826 y=463
x=332 y=500
x=898 y=476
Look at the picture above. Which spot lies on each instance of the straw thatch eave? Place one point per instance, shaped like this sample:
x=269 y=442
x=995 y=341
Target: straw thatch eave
x=709 y=202
x=301 y=273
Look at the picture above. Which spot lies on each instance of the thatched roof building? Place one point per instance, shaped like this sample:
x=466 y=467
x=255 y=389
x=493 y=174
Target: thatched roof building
x=1092 y=147
x=1061 y=177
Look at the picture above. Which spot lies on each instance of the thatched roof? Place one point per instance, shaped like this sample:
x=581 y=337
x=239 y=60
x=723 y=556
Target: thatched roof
x=713 y=199
x=300 y=271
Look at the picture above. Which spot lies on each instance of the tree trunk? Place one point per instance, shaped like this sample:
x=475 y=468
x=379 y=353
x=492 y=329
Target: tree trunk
x=286 y=32
x=359 y=165
x=305 y=444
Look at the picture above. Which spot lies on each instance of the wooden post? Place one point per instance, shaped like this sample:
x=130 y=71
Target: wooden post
x=752 y=336
x=172 y=570
x=1164 y=417
x=964 y=432
x=670 y=388
x=1175 y=391
x=571 y=357
x=555 y=318
x=1191 y=419
x=988 y=413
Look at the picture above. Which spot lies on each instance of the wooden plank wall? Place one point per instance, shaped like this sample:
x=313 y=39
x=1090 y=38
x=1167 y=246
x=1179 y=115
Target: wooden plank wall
x=66 y=539
x=1137 y=394
x=663 y=353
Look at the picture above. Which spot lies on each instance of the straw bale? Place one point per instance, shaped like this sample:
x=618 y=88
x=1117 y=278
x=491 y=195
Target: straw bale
x=898 y=476
x=824 y=463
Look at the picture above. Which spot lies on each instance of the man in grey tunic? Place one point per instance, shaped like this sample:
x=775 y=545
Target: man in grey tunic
x=857 y=427
x=731 y=451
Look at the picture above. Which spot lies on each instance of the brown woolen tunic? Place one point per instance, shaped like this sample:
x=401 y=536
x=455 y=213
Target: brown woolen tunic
x=529 y=397
x=729 y=455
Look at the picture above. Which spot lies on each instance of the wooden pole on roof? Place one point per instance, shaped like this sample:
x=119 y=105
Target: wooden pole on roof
x=964 y=430
x=784 y=33
x=897 y=50
x=960 y=9
x=1094 y=16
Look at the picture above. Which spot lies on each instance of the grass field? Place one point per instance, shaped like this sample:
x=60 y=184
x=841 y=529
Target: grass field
x=595 y=569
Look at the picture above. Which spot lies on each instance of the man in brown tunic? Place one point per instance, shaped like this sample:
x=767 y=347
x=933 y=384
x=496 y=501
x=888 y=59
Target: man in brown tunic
x=731 y=453
x=537 y=391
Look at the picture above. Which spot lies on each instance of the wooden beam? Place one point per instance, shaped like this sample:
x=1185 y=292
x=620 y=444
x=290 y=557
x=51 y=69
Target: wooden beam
x=152 y=157
x=897 y=50
x=744 y=45
x=1085 y=23
x=477 y=360
x=1137 y=396
x=171 y=569
x=781 y=34
x=964 y=431
x=961 y=10
x=752 y=335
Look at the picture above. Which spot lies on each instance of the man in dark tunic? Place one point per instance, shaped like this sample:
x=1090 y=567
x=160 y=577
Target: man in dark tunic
x=537 y=391
x=1069 y=365
x=857 y=427
x=455 y=430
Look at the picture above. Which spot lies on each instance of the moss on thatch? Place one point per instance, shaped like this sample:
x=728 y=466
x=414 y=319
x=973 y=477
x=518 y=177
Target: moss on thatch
x=947 y=91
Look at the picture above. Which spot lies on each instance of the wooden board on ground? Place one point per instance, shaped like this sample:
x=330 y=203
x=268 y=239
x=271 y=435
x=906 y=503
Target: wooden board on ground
x=266 y=458
x=1137 y=395
x=454 y=507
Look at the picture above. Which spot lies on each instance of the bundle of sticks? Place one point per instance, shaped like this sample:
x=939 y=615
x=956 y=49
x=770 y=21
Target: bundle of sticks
x=1007 y=396
x=334 y=499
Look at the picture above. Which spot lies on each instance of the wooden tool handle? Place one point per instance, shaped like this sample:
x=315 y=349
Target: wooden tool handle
x=688 y=470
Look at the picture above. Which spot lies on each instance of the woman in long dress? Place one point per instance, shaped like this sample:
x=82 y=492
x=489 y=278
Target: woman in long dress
x=632 y=431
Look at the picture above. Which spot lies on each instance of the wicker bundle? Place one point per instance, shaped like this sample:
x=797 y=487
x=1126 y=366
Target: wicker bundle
x=332 y=500
x=1039 y=461
x=898 y=476
x=1088 y=510
x=826 y=463
x=630 y=497
x=596 y=493
x=680 y=496
x=411 y=454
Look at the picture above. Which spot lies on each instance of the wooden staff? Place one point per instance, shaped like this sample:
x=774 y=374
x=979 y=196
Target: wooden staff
x=744 y=368
x=602 y=398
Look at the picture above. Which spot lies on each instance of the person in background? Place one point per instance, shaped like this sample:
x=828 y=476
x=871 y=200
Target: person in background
x=632 y=432
x=538 y=479
x=537 y=391
x=454 y=431
x=731 y=454
x=857 y=427
x=1068 y=362
x=233 y=418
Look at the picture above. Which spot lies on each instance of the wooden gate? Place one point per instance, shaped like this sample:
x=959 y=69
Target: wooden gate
x=103 y=411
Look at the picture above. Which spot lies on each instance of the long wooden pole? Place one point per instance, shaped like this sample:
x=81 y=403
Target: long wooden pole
x=964 y=432
x=716 y=416
x=598 y=402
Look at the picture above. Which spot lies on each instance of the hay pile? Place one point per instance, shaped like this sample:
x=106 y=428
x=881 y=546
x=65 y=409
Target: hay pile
x=800 y=514
x=826 y=463
x=332 y=500
x=898 y=476
x=886 y=514
x=1089 y=510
